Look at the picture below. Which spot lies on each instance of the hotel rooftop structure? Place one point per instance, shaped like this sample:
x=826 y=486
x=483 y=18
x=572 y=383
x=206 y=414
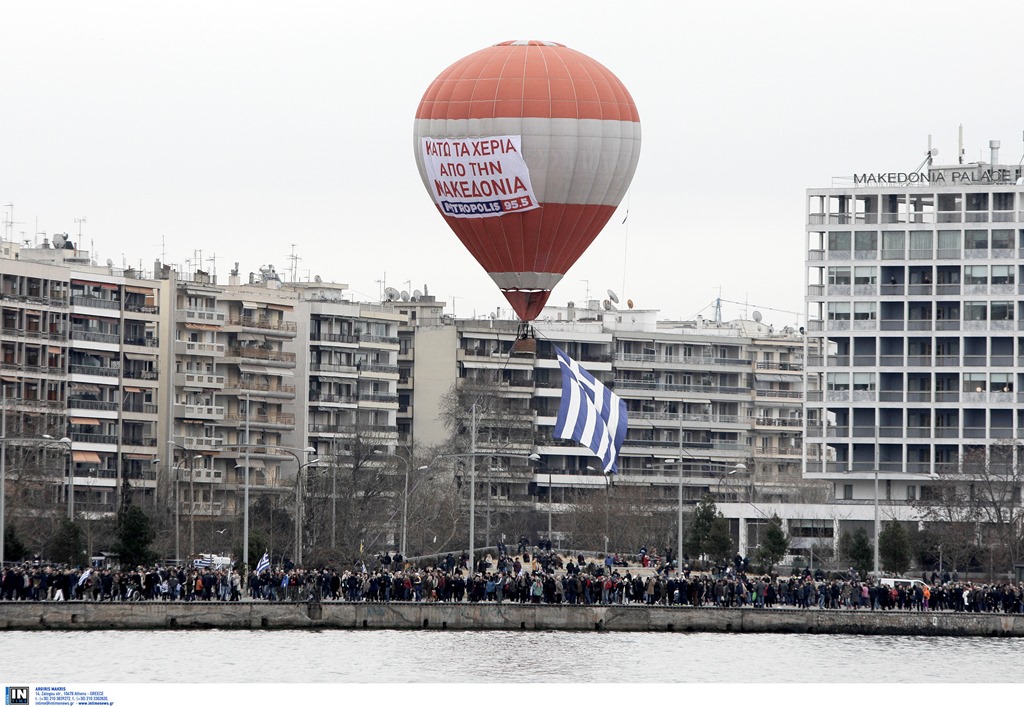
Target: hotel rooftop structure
x=913 y=295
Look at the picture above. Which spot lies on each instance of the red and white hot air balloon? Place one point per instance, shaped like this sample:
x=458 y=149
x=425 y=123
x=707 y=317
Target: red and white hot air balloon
x=527 y=149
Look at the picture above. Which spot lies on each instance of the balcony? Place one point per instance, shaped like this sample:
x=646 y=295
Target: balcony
x=95 y=303
x=199 y=412
x=283 y=327
x=198 y=348
x=260 y=354
x=199 y=443
x=334 y=338
x=99 y=337
x=190 y=379
x=106 y=371
x=203 y=316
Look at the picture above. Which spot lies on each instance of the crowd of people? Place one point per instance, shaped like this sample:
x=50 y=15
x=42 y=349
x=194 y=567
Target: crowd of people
x=539 y=577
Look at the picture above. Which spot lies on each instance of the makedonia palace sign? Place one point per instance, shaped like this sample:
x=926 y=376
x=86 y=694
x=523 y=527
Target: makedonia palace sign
x=943 y=177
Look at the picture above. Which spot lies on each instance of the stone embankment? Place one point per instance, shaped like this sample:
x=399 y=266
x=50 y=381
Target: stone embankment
x=61 y=616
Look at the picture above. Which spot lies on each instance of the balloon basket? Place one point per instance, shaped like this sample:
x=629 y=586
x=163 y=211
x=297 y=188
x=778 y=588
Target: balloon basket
x=524 y=347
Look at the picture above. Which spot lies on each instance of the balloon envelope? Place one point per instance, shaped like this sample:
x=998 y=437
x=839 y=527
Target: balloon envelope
x=527 y=149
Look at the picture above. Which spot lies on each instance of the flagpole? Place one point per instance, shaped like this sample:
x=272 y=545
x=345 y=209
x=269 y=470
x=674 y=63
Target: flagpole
x=472 y=490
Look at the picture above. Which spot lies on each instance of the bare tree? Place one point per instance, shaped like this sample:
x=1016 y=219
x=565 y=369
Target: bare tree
x=980 y=502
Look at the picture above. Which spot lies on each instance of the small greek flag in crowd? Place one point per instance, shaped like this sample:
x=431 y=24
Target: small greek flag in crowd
x=264 y=564
x=590 y=413
x=85 y=577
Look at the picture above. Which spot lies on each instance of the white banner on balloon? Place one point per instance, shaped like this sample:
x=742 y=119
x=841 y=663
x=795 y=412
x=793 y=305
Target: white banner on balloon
x=478 y=177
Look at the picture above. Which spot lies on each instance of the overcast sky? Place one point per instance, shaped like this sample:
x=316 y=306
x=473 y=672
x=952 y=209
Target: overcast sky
x=234 y=130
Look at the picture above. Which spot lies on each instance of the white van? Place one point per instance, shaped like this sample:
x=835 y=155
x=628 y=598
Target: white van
x=904 y=582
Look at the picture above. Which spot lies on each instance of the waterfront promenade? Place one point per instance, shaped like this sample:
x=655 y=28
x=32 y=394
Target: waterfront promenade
x=247 y=615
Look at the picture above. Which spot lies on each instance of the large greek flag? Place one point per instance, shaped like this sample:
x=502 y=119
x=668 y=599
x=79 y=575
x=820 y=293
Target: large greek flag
x=590 y=413
x=264 y=564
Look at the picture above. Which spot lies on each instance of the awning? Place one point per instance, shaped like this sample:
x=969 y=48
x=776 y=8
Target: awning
x=128 y=389
x=86 y=457
x=251 y=305
x=249 y=368
x=108 y=286
x=84 y=421
x=33 y=312
x=8 y=379
x=203 y=327
x=148 y=291
x=85 y=387
x=280 y=307
x=140 y=357
x=54 y=349
x=253 y=463
x=252 y=337
x=287 y=373
x=88 y=283
x=772 y=377
x=138 y=456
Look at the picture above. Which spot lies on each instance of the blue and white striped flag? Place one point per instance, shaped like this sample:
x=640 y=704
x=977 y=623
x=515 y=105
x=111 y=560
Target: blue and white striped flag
x=85 y=577
x=264 y=564
x=590 y=413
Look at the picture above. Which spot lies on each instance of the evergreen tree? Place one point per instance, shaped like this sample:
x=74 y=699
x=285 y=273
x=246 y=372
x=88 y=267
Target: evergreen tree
x=860 y=552
x=709 y=532
x=894 y=548
x=68 y=545
x=14 y=549
x=133 y=538
x=774 y=546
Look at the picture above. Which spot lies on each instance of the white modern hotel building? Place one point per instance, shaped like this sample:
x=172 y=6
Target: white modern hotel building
x=913 y=290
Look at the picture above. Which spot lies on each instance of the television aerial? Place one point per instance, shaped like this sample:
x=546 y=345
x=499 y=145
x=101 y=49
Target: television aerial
x=613 y=297
x=391 y=294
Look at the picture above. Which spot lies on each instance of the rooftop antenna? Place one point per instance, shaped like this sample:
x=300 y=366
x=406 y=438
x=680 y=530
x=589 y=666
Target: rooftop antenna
x=213 y=262
x=80 y=221
x=381 y=286
x=293 y=269
x=960 y=144
x=587 y=298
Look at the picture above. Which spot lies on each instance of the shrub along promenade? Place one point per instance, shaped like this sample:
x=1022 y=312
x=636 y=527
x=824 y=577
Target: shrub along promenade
x=489 y=616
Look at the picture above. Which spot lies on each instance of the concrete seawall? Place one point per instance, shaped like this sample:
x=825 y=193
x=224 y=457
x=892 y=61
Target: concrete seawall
x=62 y=616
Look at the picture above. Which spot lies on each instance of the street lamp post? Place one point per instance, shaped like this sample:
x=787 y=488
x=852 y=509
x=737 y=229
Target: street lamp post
x=246 y=447
x=300 y=508
x=472 y=496
x=405 y=496
x=190 y=458
x=71 y=473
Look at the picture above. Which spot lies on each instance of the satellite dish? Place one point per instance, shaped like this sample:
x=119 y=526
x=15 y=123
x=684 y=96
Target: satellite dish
x=613 y=297
x=416 y=294
x=317 y=279
x=110 y=263
x=757 y=316
x=391 y=294
x=405 y=296
x=629 y=303
x=58 y=240
x=609 y=306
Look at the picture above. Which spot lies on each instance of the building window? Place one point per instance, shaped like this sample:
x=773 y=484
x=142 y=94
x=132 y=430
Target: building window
x=864 y=381
x=839 y=311
x=838 y=381
x=839 y=275
x=976 y=240
x=839 y=240
x=864 y=311
x=974 y=383
x=911 y=493
x=975 y=274
x=865 y=275
x=847 y=492
x=1002 y=311
x=1003 y=274
x=975 y=311
x=866 y=241
x=1002 y=239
